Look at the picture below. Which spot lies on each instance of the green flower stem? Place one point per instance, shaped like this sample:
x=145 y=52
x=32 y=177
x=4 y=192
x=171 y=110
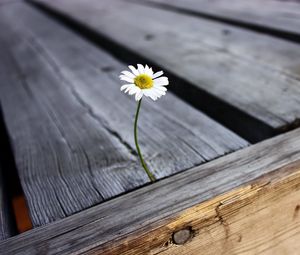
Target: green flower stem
x=150 y=175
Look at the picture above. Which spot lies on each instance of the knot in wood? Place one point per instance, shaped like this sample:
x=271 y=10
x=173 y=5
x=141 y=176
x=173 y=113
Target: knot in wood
x=182 y=236
x=149 y=37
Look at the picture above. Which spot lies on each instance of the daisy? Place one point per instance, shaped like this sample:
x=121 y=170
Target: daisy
x=142 y=81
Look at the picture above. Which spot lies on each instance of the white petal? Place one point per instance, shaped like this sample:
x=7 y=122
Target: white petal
x=125 y=78
x=134 y=90
x=161 y=88
x=128 y=74
x=141 y=69
x=152 y=97
x=146 y=68
x=147 y=71
x=125 y=86
x=158 y=93
x=149 y=93
x=160 y=73
x=129 y=88
x=162 y=93
x=139 y=95
x=162 y=81
x=134 y=71
x=151 y=72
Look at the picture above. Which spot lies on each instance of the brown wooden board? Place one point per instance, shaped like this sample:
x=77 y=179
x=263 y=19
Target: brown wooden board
x=72 y=129
x=275 y=17
x=255 y=73
x=228 y=204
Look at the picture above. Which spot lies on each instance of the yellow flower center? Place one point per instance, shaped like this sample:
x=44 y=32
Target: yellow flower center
x=143 y=81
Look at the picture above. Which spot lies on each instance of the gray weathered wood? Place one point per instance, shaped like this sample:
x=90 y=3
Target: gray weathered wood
x=71 y=127
x=140 y=211
x=272 y=15
x=256 y=73
x=7 y=225
x=2 y=2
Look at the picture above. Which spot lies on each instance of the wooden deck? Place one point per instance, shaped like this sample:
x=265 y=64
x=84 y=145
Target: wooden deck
x=224 y=144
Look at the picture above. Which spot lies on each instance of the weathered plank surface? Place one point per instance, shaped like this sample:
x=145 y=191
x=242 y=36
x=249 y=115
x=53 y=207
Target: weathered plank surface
x=256 y=73
x=261 y=218
x=9 y=1
x=281 y=18
x=144 y=220
x=7 y=226
x=7 y=221
x=71 y=127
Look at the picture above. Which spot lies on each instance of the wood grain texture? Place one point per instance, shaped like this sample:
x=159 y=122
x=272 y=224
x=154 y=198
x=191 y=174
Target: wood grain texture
x=202 y=198
x=261 y=218
x=7 y=225
x=256 y=73
x=272 y=16
x=2 y=2
x=72 y=129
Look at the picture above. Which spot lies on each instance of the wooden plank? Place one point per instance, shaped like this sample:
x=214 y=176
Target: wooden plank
x=9 y=1
x=7 y=186
x=257 y=74
x=203 y=198
x=71 y=128
x=7 y=225
x=280 y=18
x=261 y=220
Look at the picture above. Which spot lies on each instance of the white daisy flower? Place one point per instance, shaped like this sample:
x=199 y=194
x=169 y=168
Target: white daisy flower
x=142 y=81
